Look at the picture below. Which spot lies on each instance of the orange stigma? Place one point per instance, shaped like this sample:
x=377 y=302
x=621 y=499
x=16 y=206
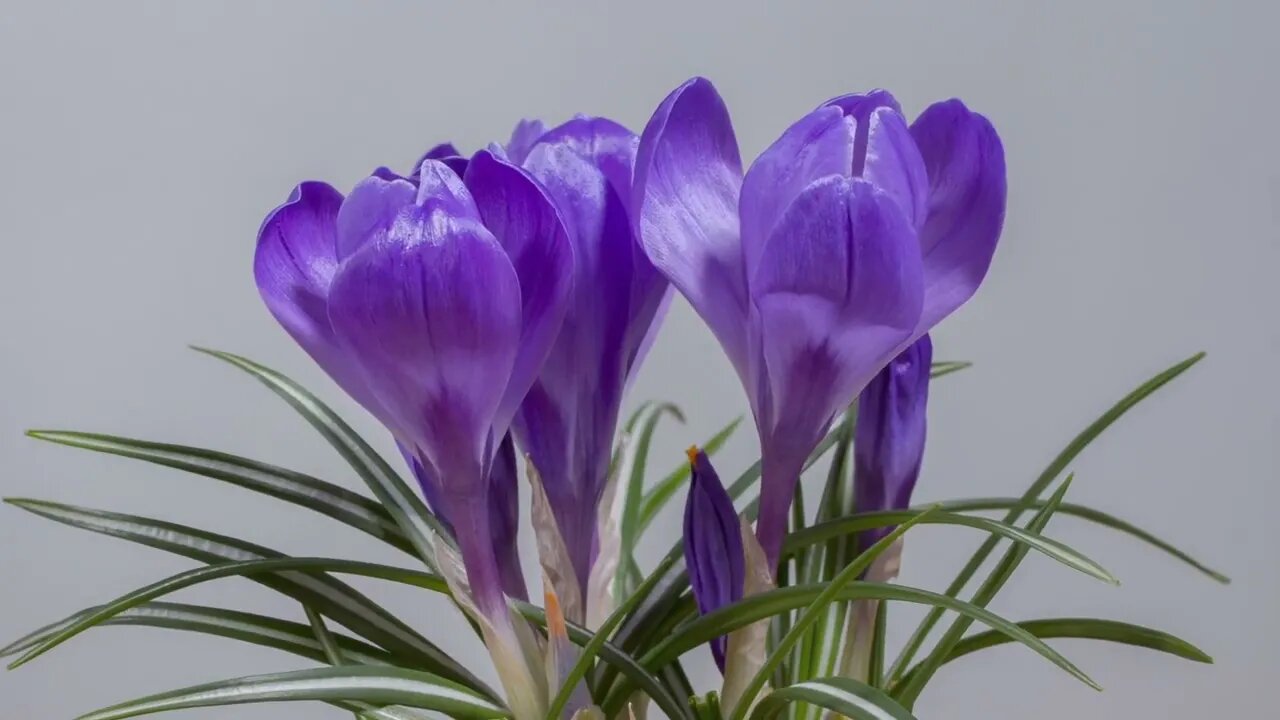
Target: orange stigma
x=555 y=616
x=692 y=452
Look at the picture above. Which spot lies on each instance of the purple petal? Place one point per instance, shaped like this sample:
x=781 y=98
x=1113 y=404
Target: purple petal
x=374 y=204
x=818 y=145
x=529 y=228
x=839 y=290
x=439 y=152
x=567 y=421
x=504 y=514
x=504 y=508
x=445 y=153
x=687 y=180
x=889 y=440
x=860 y=106
x=608 y=146
x=894 y=165
x=293 y=266
x=430 y=306
x=965 y=163
x=523 y=138
x=712 y=544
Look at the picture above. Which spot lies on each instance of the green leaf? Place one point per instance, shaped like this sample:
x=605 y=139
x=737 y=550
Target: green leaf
x=843 y=696
x=261 y=570
x=634 y=419
x=332 y=597
x=817 y=609
x=1090 y=514
x=332 y=653
x=907 y=692
x=409 y=511
x=1027 y=539
x=291 y=637
x=631 y=669
x=1055 y=468
x=703 y=628
x=633 y=490
x=326 y=498
x=658 y=497
x=947 y=367
x=818 y=654
x=293 y=567
x=259 y=630
x=377 y=685
x=1085 y=629
x=601 y=635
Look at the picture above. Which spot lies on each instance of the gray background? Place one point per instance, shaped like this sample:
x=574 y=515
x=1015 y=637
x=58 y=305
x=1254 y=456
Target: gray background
x=142 y=142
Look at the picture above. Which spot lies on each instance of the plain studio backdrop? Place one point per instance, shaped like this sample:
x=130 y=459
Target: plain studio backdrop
x=141 y=144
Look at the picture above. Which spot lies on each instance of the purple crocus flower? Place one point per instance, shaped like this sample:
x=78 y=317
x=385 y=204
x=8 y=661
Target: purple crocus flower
x=712 y=544
x=889 y=439
x=567 y=422
x=847 y=239
x=433 y=302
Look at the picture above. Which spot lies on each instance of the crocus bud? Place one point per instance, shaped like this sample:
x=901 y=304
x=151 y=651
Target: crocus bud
x=889 y=440
x=712 y=543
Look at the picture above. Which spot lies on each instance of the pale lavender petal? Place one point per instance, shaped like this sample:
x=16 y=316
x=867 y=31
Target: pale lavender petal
x=860 y=106
x=293 y=266
x=687 y=180
x=523 y=138
x=567 y=421
x=374 y=204
x=965 y=163
x=713 y=549
x=840 y=289
x=531 y=231
x=894 y=165
x=890 y=435
x=819 y=145
x=608 y=146
x=430 y=305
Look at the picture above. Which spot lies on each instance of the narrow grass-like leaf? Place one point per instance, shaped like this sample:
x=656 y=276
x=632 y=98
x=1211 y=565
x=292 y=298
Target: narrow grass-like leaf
x=323 y=497
x=817 y=609
x=376 y=685
x=843 y=696
x=1055 y=468
x=908 y=692
x=408 y=509
x=1026 y=538
x=291 y=580
x=947 y=367
x=630 y=668
x=703 y=628
x=658 y=497
x=332 y=653
x=601 y=635
x=1085 y=629
x=91 y=617
x=633 y=490
x=1089 y=514
x=291 y=637
x=654 y=622
x=818 y=654
x=332 y=597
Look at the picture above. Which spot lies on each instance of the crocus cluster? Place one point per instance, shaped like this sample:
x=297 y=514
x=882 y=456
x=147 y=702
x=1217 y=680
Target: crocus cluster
x=512 y=294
